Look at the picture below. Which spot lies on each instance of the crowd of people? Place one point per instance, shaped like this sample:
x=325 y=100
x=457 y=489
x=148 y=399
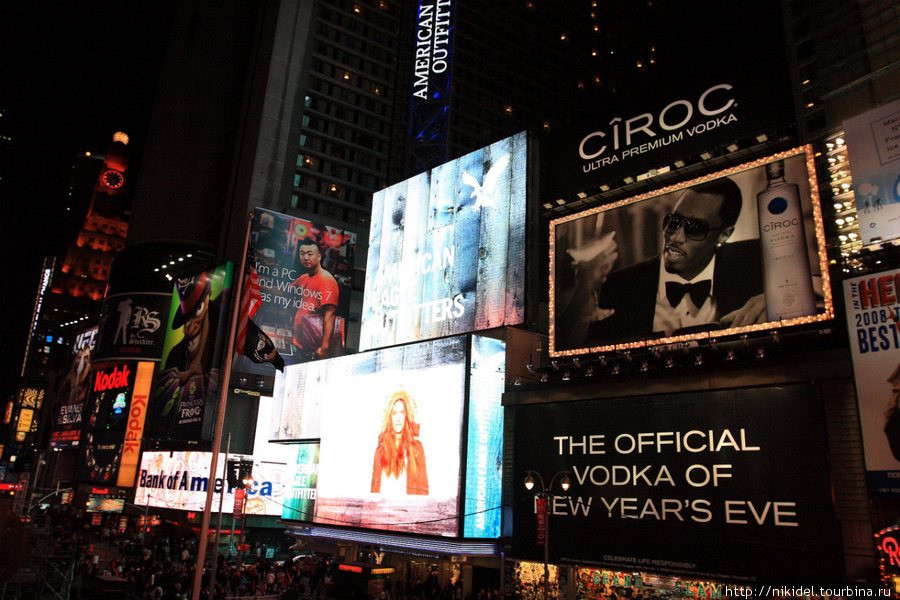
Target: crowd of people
x=162 y=567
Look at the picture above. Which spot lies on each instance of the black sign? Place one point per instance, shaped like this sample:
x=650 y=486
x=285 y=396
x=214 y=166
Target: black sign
x=730 y=484
x=133 y=326
x=606 y=146
x=237 y=470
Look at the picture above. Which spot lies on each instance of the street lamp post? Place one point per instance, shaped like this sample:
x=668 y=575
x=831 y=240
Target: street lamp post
x=248 y=483
x=546 y=493
x=146 y=509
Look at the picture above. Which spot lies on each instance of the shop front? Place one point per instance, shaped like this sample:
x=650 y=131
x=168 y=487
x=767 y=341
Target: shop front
x=411 y=566
x=524 y=580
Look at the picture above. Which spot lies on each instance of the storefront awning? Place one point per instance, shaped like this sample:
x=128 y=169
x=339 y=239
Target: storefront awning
x=488 y=547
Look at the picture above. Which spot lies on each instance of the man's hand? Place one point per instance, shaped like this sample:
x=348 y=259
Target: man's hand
x=753 y=312
x=194 y=369
x=592 y=263
x=594 y=260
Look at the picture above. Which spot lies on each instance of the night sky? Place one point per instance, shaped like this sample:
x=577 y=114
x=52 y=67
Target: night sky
x=71 y=75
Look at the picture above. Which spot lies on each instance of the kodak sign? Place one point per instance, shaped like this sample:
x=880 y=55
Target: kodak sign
x=112 y=381
x=137 y=414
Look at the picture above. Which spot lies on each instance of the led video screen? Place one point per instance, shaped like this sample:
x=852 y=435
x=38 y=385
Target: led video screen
x=300 y=501
x=73 y=392
x=447 y=249
x=180 y=480
x=484 y=443
x=736 y=251
x=305 y=272
x=389 y=427
x=100 y=503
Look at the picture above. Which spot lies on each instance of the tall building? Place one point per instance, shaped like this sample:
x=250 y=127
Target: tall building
x=86 y=266
x=844 y=61
x=347 y=109
x=845 y=64
x=71 y=288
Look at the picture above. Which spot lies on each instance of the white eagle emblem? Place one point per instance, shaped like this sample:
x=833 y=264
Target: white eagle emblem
x=484 y=194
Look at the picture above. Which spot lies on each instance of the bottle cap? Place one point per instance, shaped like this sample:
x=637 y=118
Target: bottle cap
x=775 y=170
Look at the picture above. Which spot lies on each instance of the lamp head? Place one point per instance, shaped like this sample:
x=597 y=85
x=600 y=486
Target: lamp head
x=564 y=482
x=529 y=482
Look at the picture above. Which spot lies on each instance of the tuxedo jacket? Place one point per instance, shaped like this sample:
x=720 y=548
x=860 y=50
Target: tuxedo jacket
x=631 y=292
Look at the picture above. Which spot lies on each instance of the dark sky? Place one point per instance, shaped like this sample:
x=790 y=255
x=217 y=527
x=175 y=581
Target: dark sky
x=71 y=74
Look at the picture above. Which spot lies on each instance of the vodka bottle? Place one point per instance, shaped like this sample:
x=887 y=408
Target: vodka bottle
x=788 y=282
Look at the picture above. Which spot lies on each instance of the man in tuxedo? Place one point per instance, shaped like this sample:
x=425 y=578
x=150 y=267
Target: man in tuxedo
x=698 y=282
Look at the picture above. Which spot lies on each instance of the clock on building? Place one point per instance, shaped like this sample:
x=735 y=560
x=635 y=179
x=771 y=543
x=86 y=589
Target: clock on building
x=112 y=179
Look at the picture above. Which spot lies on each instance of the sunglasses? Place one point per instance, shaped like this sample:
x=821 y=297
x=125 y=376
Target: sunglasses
x=694 y=229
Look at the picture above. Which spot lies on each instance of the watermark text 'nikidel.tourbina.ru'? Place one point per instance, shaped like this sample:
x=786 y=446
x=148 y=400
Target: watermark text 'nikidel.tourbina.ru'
x=772 y=591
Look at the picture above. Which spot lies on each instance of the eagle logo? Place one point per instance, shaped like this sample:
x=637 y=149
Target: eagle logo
x=484 y=194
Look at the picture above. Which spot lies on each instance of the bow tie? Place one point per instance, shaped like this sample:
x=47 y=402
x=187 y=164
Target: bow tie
x=698 y=291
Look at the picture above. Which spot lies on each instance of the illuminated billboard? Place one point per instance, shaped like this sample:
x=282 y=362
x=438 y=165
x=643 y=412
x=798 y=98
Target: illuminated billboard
x=434 y=52
x=133 y=326
x=180 y=480
x=639 y=134
x=737 y=251
x=389 y=429
x=105 y=419
x=136 y=416
x=305 y=272
x=447 y=249
x=728 y=484
x=185 y=389
x=484 y=444
x=100 y=501
x=300 y=500
x=73 y=392
x=874 y=152
x=873 y=313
